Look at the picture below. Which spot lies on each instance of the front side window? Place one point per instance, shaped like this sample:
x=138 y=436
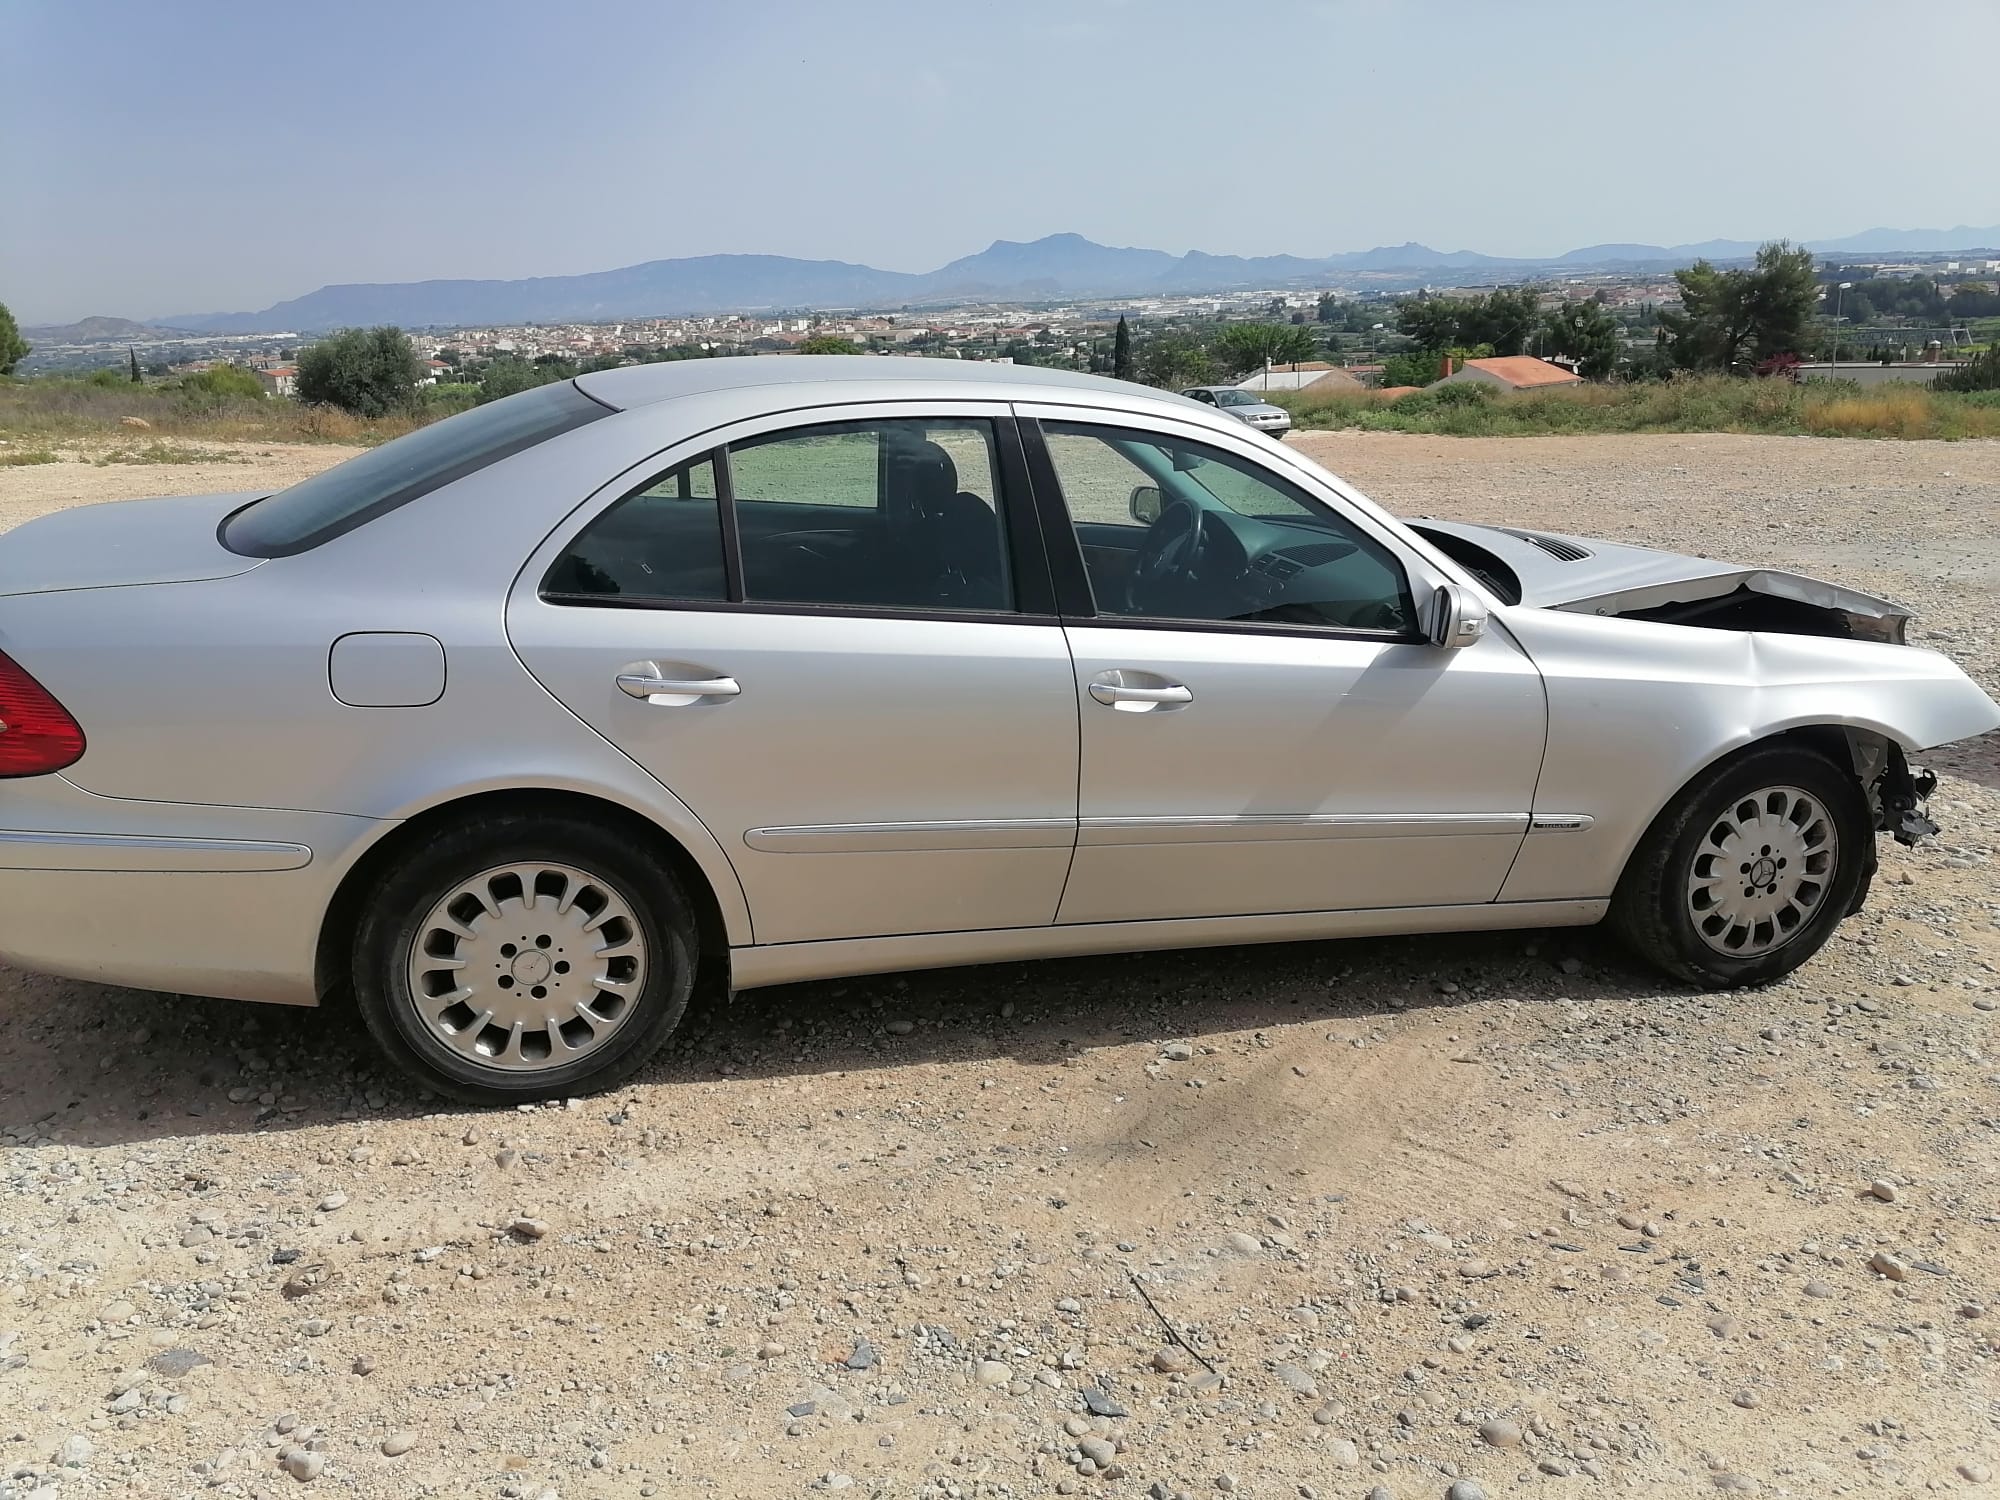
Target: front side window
x=1177 y=530
x=374 y=483
x=895 y=514
x=1237 y=398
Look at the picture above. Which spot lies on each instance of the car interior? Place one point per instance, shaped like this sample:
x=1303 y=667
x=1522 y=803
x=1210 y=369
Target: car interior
x=849 y=514
x=1206 y=537
x=879 y=515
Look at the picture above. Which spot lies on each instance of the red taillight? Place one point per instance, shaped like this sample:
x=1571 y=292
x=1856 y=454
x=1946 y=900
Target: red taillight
x=37 y=735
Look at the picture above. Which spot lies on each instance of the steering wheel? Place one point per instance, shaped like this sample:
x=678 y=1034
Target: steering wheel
x=1167 y=560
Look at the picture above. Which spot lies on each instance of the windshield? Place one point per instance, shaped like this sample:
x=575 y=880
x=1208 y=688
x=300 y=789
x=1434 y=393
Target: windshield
x=374 y=483
x=1237 y=398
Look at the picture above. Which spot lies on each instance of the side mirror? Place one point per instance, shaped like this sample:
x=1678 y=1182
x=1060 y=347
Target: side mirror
x=1456 y=618
x=1145 y=504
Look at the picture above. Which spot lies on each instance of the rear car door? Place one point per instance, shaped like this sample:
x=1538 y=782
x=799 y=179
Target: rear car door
x=834 y=640
x=1264 y=728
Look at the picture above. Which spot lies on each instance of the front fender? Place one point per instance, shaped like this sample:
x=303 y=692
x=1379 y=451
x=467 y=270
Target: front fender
x=1638 y=709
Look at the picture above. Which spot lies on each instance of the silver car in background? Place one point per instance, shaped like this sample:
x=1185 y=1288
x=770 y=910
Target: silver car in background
x=1246 y=406
x=737 y=672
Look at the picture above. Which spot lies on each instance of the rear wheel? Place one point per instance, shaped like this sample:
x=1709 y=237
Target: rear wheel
x=516 y=958
x=1746 y=875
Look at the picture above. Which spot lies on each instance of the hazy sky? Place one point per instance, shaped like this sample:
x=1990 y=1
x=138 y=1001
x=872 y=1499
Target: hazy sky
x=175 y=156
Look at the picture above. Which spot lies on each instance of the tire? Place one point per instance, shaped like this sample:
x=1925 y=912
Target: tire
x=1696 y=922
x=560 y=1023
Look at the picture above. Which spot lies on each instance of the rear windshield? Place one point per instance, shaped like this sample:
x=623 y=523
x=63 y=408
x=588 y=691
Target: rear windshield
x=348 y=495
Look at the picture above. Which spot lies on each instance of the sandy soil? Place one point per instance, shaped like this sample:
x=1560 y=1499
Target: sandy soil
x=1493 y=1212
x=79 y=479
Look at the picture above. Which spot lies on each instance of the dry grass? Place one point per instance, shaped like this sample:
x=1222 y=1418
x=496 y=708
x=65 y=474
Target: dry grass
x=14 y=458
x=50 y=412
x=1704 y=404
x=167 y=453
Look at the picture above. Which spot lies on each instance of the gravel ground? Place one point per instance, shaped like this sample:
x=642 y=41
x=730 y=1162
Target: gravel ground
x=1413 y=1218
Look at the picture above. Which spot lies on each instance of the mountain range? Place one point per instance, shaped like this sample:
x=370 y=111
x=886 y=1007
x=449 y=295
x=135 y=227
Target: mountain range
x=1056 y=266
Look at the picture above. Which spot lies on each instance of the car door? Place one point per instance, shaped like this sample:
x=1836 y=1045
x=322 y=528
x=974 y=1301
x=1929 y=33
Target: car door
x=1264 y=727
x=833 y=640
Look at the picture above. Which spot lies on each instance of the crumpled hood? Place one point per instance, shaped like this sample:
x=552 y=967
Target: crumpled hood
x=167 y=540
x=1589 y=576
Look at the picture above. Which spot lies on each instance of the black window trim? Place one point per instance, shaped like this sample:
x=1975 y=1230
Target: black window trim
x=1034 y=590
x=1077 y=604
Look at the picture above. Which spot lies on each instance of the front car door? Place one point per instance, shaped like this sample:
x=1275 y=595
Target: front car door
x=1264 y=727
x=834 y=641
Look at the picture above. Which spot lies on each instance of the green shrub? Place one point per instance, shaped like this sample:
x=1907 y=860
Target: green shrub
x=1980 y=373
x=222 y=383
x=1466 y=393
x=1686 y=403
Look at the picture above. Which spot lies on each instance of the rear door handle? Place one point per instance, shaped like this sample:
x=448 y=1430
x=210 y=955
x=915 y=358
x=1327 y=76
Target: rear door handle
x=673 y=692
x=1112 y=694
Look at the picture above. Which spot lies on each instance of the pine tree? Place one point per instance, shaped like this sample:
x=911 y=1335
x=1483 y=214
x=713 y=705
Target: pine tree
x=134 y=354
x=1121 y=351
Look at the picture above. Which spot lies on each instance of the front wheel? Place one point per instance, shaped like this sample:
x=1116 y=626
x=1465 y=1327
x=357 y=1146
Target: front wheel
x=1745 y=876
x=522 y=957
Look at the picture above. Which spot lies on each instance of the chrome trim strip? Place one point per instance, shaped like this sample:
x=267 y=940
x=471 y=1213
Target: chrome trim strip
x=963 y=833
x=1560 y=822
x=22 y=849
x=787 y=963
x=1229 y=828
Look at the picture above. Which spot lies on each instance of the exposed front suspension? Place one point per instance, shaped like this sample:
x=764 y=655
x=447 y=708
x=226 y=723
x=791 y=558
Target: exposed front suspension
x=1900 y=793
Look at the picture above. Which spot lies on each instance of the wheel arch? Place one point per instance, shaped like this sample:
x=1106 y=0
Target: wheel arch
x=344 y=911
x=1861 y=749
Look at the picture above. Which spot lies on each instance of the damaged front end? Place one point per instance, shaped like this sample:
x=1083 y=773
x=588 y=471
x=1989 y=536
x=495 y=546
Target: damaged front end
x=1900 y=792
x=1759 y=599
x=1588 y=576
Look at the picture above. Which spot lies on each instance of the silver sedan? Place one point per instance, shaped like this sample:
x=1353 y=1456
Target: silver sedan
x=521 y=729
x=1247 y=407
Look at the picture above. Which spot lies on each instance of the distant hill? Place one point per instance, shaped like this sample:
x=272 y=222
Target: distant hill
x=92 y=331
x=1055 y=266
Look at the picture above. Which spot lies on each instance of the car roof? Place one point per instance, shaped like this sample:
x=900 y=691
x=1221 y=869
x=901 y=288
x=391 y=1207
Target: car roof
x=643 y=385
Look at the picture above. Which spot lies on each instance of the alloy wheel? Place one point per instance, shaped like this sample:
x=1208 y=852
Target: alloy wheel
x=1761 y=871
x=527 y=967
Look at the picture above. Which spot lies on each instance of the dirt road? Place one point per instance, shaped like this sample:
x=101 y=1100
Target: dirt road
x=1497 y=1212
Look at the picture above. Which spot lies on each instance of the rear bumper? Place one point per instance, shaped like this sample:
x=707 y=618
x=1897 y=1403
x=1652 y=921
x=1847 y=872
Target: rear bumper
x=223 y=901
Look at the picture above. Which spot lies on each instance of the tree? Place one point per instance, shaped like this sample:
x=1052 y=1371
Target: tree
x=1328 y=309
x=367 y=371
x=1249 y=346
x=1586 y=333
x=13 y=348
x=1969 y=299
x=1734 y=321
x=1505 y=318
x=1175 y=360
x=1431 y=321
x=133 y=354
x=1420 y=368
x=1121 y=351
x=507 y=376
x=828 y=343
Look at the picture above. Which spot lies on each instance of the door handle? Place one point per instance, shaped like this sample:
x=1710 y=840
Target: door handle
x=661 y=691
x=1112 y=694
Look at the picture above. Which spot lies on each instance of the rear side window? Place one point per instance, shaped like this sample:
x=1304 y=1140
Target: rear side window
x=352 y=494
x=901 y=513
